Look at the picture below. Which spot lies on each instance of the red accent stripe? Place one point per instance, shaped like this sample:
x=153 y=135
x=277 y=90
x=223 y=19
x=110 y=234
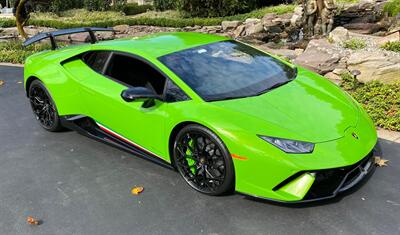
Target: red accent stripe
x=238 y=157
x=126 y=140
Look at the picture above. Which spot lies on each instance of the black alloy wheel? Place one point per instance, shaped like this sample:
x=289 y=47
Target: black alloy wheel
x=203 y=160
x=43 y=107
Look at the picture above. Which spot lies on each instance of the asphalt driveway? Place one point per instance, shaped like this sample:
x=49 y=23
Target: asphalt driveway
x=79 y=186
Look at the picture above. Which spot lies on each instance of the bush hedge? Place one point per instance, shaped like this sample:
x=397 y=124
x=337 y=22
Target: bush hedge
x=134 y=8
x=163 y=5
x=61 y=5
x=392 y=7
x=162 y=22
x=12 y=51
x=97 y=5
x=215 y=8
x=82 y=18
x=381 y=101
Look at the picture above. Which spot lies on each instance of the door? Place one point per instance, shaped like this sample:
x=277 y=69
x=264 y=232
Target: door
x=107 y=75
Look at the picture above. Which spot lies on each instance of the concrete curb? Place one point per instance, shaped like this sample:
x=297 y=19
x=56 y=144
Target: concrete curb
x=393 y=136
x=11 y=65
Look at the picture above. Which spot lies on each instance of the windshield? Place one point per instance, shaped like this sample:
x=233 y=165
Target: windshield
x=228 y=70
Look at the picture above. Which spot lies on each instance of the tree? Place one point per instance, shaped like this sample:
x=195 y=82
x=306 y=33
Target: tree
x=22 y=10
x=21 y=16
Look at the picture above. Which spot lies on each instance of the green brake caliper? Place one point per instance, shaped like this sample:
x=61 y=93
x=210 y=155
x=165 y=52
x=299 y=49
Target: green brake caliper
x=191 y=162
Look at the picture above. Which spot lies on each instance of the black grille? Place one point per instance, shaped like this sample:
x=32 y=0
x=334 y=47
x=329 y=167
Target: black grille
x=329 y=182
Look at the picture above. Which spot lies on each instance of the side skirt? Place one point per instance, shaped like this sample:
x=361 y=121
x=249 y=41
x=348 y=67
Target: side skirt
x=88 y=127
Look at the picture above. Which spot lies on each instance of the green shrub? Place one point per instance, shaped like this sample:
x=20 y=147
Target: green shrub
x=215 y=8
x=84 y=18
x=61 y=5
x=392 y=46
x=96 y=5
x=381 y=101
x=354 y=44
x=392 y=7
x=163 y=5
x=13 y=52
x=162 y=22
x=6 y=23
x=134 y=9
x=259 y=13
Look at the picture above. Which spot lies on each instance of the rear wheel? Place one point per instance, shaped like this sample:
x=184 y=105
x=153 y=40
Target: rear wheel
x=203 y=160
x=43 y=107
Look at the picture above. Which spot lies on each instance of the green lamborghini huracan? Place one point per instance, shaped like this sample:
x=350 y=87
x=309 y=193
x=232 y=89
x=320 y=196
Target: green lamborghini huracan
x=226 y=116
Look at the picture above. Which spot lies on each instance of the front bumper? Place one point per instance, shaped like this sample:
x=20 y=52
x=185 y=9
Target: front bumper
x=328 y=183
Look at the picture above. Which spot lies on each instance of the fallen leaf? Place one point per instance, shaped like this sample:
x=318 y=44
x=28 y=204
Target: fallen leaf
x=19 y=82
x=32 y=221
x=137 y=190
x=1 y=82
x=380 y=161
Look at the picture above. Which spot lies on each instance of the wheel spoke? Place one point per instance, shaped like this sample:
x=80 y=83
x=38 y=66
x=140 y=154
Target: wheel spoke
x=42 y=107
x=200 y=161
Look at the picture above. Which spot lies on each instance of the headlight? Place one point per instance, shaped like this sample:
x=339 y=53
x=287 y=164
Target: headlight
x=289 y=146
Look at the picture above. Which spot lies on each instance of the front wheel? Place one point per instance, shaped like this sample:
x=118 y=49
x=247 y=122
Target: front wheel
x=203 y=160
x=43 y=107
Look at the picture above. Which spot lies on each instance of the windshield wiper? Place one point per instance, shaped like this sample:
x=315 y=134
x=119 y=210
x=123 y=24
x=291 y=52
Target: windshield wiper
x=276 y=85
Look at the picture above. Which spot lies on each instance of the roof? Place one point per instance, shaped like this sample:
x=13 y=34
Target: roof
x=160 y=44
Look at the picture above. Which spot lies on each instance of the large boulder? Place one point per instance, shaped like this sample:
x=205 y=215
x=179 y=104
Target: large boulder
x=297 y=17
x=253 y=26
x=268 y=20
x=123 y=28
x=230 y=25
x=283 y=53
x=239 y=31
x=375 y=65
x=339 y=35
x=320 y=56
x=12 y=31
x=393 y=37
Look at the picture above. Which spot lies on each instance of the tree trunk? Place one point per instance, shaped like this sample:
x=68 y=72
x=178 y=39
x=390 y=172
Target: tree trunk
x=19 y=21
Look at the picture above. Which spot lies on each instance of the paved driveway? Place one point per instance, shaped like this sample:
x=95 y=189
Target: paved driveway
x=79 y=186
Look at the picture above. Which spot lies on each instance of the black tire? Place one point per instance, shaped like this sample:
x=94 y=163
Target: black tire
x=209 y=167
x=43 y=107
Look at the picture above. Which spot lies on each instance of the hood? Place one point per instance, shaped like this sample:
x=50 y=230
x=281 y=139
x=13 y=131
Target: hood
x=310 y=107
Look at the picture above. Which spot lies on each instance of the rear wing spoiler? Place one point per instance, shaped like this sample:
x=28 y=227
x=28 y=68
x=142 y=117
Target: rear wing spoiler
x=52 y=35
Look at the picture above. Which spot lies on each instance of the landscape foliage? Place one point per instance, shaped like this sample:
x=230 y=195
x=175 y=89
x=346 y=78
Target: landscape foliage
x=392 y=46
x=84 y=18
x=354 y=44
x=12 y=51
x=392 y=7
x=381 y=101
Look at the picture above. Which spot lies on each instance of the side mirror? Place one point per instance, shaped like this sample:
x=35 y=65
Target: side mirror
x=135 y=93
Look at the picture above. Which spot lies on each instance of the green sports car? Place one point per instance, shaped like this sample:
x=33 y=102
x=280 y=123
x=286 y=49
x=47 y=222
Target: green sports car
x=226 y=116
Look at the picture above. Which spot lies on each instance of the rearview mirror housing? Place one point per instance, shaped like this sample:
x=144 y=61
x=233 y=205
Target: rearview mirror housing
x=135 y=93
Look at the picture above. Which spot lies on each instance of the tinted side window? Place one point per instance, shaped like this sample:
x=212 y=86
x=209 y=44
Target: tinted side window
x=96 y=60
x=136 y=73
x=174 y=94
